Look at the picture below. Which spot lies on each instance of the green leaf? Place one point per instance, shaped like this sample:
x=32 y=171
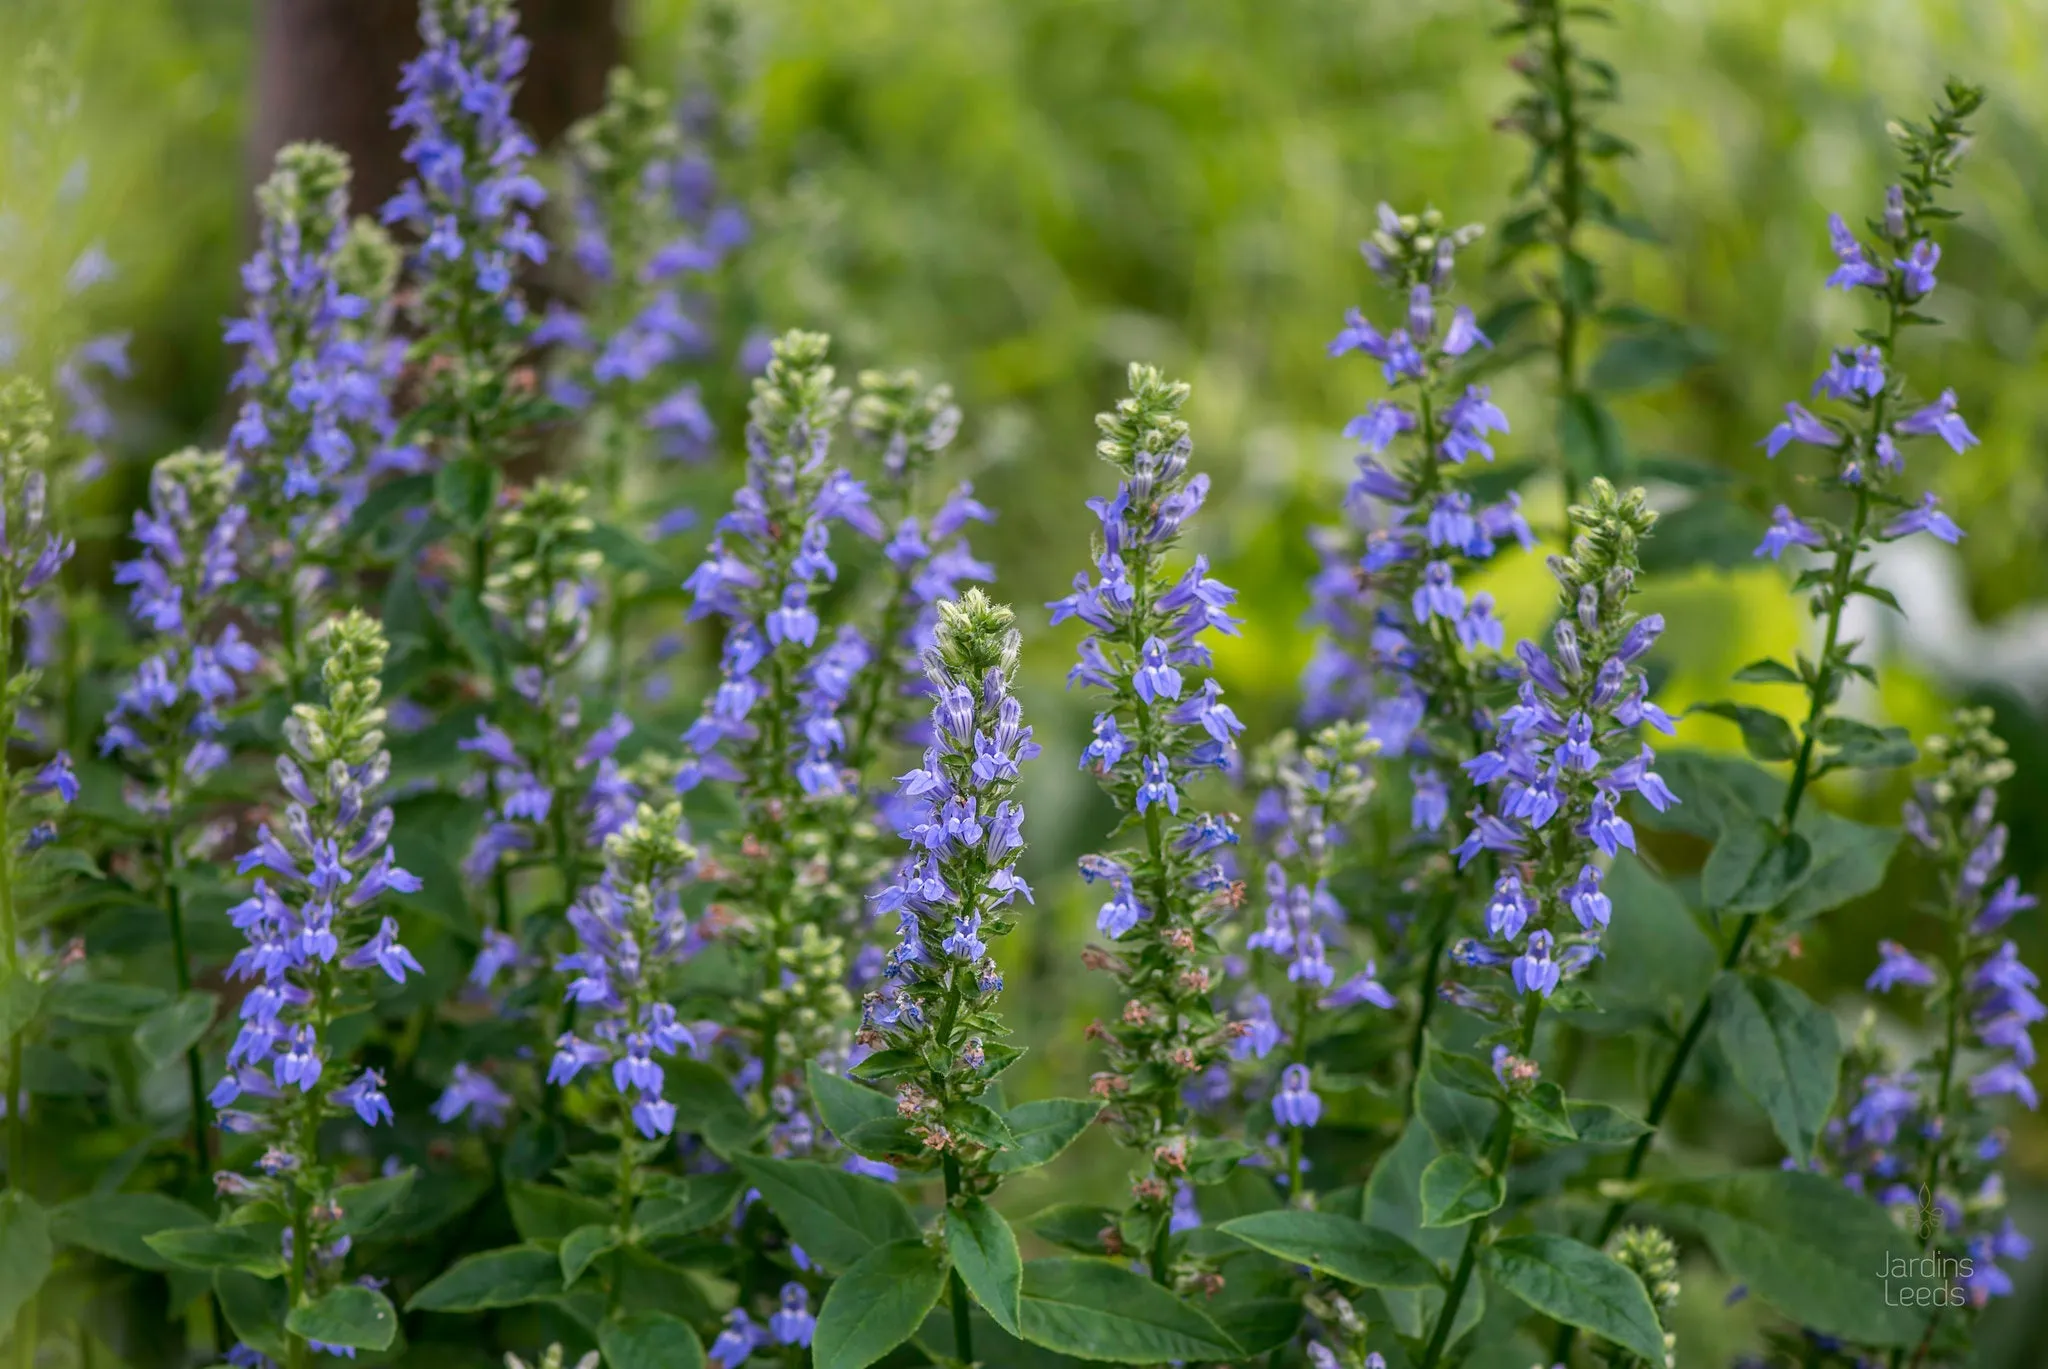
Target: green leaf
x=835 y=1216
x=1804 y=1244
x=466 y=489
x=1603 y=1124
x=168 y=1033
x=20 y=999
x=115 y=1225
x=1753 y=869
x=544 y=1213
x=365 y=1206
x=845 y=1105
x=255 y=1309
x=1096 y=1310
x=623 y=551
x=1455 y=1190
x=583 y=1245
x=1543 y=1112
x=1859 y=746
x=1765 y=735
x=984 y=1251
x=650 y=1340
x=1041 y=1130
x=25 y=1253
x=1645 y=361
x=385 y=501
x=1578 y=1286
x=1768 y=671
x=1338 y=1246
x=1393 y=1202
x=471 y=626
x=1716 y=790
x=1849 y=860
x=706 y=1104
x=698 y=1201
x=349 y=1315
x=1784 y=1051
x=496 y=1278
x=253 y=1249
x=1658 y=959
x=1711 y=530
x=1259 y=1325
x=1076 y=1226
x=648 y=1283
x=1457 y=1119
x=1589 y=437
x=105 y=1002
x=980 y=1124
x=877 y=1304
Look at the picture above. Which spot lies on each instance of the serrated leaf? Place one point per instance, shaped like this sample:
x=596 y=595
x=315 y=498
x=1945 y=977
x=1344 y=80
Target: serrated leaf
x=116 y=1225
x=1455 y=1190
x=1041 y=1130
x=1096 y=1310
x=1543 y=1112
x=25 y=1252
x=1576 y=1285
x=1784 y=1051
x=1338 y=1246
x=844 y=1105
x=985 y=1254
x=835 y=1216
x=650 y=1340
x=495 y=1278
x=1804 y=1244
x=347 y=1315
x=877 y=1304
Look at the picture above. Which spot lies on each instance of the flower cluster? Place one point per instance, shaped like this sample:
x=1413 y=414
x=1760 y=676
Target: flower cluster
x=318 y=362
x=1162 y=724
x=1563 y=756
x=1925 y=1135
x=934 y=1013
x=316 y=940
x=469 y=203
x=168 y=722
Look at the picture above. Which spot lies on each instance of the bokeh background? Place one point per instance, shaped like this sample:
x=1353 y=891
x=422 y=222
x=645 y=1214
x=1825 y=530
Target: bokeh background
x=1019 y=196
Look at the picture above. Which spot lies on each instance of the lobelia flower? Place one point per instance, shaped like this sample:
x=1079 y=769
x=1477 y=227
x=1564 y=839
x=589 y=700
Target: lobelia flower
x=468 y=205
x=316 y=936
x=1161 y=724
x=1563 y=756
x=31 y=553
x=1922 y=1136
x=315 y=424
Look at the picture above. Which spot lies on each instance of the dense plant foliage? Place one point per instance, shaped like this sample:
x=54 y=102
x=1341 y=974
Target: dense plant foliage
x=480 y=929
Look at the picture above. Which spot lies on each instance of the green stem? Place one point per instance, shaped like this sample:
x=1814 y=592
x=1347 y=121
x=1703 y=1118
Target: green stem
x=1497 y=1161
x=10 y=953
x=1567 y=203
x=963 y=1325
x=181 y=965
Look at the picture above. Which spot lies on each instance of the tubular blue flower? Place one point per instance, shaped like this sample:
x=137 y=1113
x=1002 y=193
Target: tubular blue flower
x=1787 y=530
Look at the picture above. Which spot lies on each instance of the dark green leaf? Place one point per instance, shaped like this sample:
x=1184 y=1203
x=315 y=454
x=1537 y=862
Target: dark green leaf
x=349 y=1315
x=1859 y=746
x=1644 y=361
x=1456 y=1118
x=583 y=1245
x=1542 y=1112
x=1259 y=1325
x=650 y=1340
x=844 y=1105
x=386 y=500
x=25 y=1253
x=471 y=625
x=1578 y=1286
x=254 y=1249
x=1603 y=1124
x=544 y=1213
x=980 y=1124
x=1393 y=1202
x=1716 y=790
x=1784 y=1051
x=115 y=1224
x=1042 y=1130
x=835 y=1216
x=623 y=551
x=1753 y=869
x=877 y=1304
x=105 y=1002
x=465 y=490
x=1076 y=1226
x=1712 y=530
x=1096 y=1310
x=698 y=1201
x=1849 y=860
x=1455 y=1190
x=365 y=1206
x=20 y=999
x=1340 y=1247
x=1589 y=437
x=1804 y=1244
x=1657 y=957
x=647 y=1283
x=496 y=1278
x=255 y=1309
x=174 y=1029
x=1765 y=735
x=1768 y=671
x=984 y=1251
x=706 y=1104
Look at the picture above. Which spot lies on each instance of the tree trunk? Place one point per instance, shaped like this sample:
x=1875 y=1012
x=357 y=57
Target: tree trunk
x=328 y=69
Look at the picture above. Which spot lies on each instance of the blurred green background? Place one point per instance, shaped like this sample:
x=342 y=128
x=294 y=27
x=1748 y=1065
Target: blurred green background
x=1021 y=195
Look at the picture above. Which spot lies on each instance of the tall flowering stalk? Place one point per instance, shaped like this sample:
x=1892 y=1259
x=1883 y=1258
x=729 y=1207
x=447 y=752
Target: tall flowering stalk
x=31 y=554
x=1923 y=1137
x=630 y=927
x=1315 y=791
x=1407 y=647
x=168 y=725
x=1871 y=419
x=315 y=424
x=1162 y=723
x=318 y=943
x=933 y=1022
x=1563 y=757
x=772 y=727
x=469 y=204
